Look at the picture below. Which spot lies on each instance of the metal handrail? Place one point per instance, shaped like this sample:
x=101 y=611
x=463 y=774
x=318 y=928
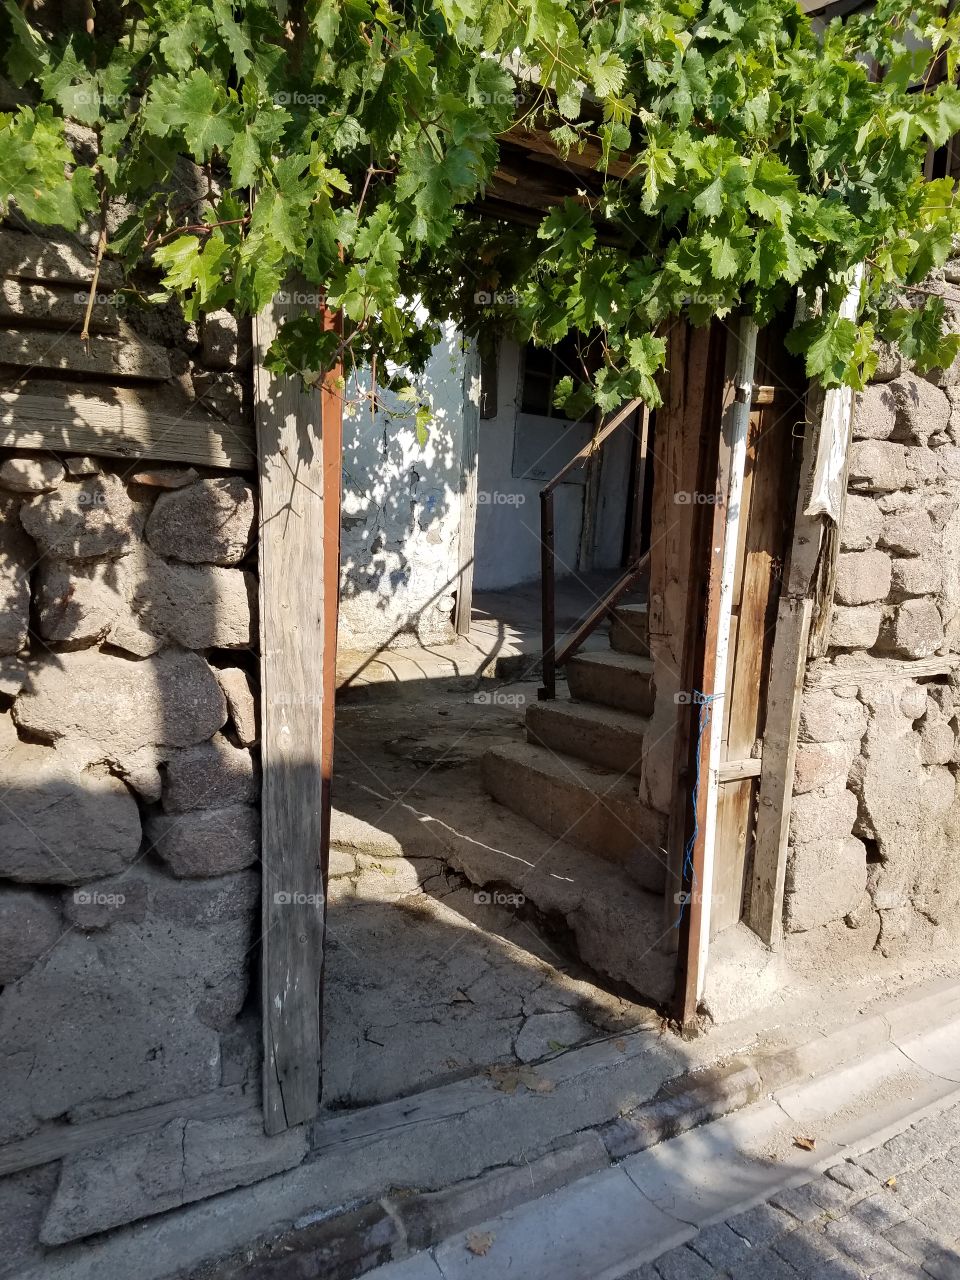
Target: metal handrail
x=552 y=658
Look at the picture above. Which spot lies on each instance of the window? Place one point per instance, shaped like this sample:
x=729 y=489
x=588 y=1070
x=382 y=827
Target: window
x=543 y=367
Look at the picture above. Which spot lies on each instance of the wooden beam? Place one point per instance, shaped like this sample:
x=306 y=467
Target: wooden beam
x=881 y=669
x=295 y=689
x=120 y=427
x=737 y=770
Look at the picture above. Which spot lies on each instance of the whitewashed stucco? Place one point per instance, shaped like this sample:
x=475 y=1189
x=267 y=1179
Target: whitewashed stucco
x=401 y=510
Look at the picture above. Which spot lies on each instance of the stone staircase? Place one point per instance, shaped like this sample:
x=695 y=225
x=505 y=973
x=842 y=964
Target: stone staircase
x=576 y=776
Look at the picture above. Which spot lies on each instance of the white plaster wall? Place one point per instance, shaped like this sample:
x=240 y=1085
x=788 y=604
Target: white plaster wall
x=507 y=547
x=399 y=553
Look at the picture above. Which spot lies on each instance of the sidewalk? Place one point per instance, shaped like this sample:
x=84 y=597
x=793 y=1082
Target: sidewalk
x=878 y=1195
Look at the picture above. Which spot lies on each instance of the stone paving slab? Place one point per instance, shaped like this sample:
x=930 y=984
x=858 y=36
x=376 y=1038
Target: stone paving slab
x=891 y=1212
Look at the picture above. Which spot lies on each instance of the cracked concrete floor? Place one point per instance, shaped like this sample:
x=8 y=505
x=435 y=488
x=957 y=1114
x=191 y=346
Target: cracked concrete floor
x=426 y=980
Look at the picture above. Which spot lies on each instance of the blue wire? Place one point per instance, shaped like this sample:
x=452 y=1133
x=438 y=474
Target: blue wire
x=703 y=701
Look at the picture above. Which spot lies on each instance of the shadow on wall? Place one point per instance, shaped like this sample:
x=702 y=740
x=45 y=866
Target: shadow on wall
x=400 y=527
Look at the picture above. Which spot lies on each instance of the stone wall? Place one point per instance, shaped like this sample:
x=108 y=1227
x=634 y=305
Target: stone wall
x=875 y=826
x=129 y=775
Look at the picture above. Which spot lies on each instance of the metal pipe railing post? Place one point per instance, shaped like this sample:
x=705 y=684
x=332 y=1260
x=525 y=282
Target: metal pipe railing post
x=548 y=637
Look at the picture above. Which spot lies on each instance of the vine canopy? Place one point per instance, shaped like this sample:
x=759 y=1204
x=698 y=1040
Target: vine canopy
x=740 y=155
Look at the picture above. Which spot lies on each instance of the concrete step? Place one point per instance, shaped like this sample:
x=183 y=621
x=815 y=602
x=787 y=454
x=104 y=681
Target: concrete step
x=600 y=735
x=620 y=680
x=630 y=631
x=585 y=805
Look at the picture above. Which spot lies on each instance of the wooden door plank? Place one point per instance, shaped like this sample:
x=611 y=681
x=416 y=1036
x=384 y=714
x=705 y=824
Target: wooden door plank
x=293 y=661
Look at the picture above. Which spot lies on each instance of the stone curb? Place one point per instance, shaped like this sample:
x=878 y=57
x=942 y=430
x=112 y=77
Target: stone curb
x=397 y=1226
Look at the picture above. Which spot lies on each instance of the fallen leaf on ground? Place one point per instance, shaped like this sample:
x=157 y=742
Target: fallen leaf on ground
x=620 y=1046
x=805 y=1144
x=556 y=1045
x=479 y=1242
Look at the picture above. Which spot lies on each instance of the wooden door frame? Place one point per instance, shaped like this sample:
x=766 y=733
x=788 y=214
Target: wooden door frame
x=299 y=441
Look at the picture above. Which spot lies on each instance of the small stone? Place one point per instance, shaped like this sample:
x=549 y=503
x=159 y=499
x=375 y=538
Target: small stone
x=761 y=1224
x=825 y=717
x=917 y=577
x=83 y=519
x=209 y=776
x=241 y=700
x=823 y=764
x=82 y=465
x=78 y=602
x=909 y=533
x=721 y=1247
x=165 y=478
x=862 y=577
x=29 y=927
x=874 y=413
x=921 y=408
x=923 y=467
x=855 y=628
x=681 y=1264
x=207 y=842
x=210 y=522
x=914 y=631
x=101 y=903
x=877 y=466
x=913 y=701
x=862 y=523
x=31 y=475
x=220 y=340
x=890 y=362
x=938 y=743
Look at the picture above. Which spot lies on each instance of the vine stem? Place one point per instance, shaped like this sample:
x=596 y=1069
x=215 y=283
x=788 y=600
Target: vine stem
x=95 y=279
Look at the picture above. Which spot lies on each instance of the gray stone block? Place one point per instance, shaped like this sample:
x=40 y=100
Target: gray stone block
x=909 y=533
x=921 y=409
x=83 y=519
x=855 y=628
x=31 y=474
x=916 y=577
x=862 y=577
x=60 y=824
x=30 y=926
x=683 y=1264
x=210 y=522
x=24 y=1198
x=874 y=413
x=721 y=1247
x=102 y=903
x=877 y=466
x=862 y=523
x=100 y=707
x=827 y=717
x=762 y=1224
x=207 y=842
x=823 y=765
x=242 y=703
x=825 y=881
x=210 y=775
x=914 y=631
